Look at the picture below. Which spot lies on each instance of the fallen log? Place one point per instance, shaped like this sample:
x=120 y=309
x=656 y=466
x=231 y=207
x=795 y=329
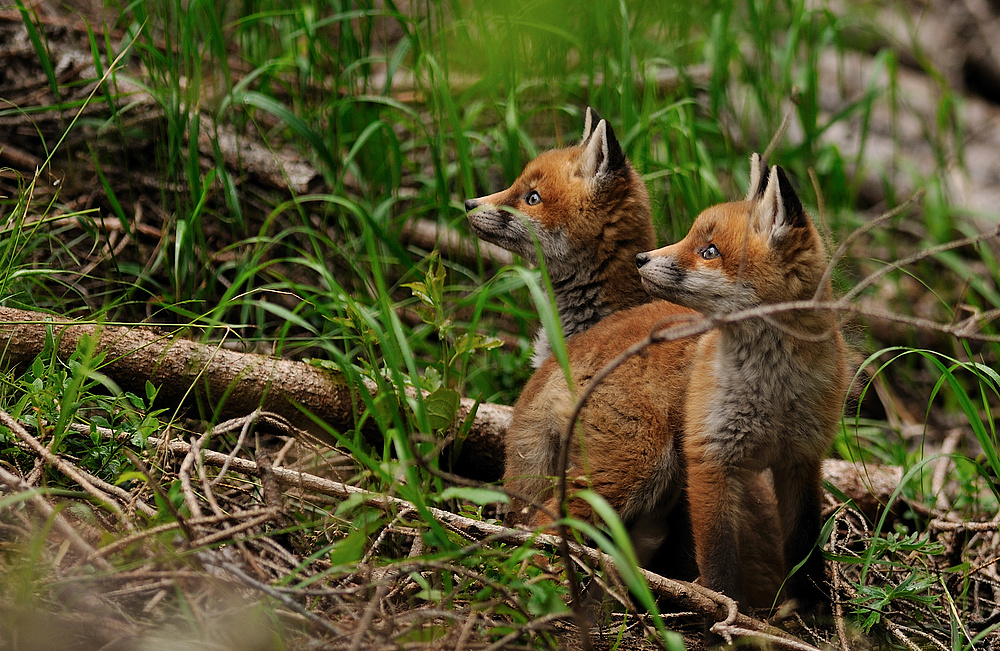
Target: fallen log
x=231 y=384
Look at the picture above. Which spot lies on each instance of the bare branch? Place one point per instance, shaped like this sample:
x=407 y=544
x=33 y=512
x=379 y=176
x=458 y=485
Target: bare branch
x=835 y=257
x=782 y=128
x=65 y=468
x=188 y=374
x=916 y=257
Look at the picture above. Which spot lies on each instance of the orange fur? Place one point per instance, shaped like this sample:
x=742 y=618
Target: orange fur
x=628 y=447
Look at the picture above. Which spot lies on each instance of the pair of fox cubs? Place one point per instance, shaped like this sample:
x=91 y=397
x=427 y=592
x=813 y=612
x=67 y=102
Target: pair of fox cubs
x=679 y=439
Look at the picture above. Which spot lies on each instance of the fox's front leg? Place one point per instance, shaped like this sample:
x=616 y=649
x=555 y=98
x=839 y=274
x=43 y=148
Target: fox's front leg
x=799 y=491
x=715 y=494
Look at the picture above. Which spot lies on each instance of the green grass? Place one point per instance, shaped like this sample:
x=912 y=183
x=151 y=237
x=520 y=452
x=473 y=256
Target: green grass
x=320 y=271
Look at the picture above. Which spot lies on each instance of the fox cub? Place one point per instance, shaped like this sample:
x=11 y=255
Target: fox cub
x=630 y=447
x=764 y=392
x=587 y=211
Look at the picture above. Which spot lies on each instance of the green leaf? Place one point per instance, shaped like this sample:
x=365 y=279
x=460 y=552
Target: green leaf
x=468 y=343
x=441 y=406
x=431 y=380
x=479 y=496
x=135 y=400
x=280 y=111
x=350 y=549
x=131 y=475
x=546 y=598
x=419 y=290
x=348 y=505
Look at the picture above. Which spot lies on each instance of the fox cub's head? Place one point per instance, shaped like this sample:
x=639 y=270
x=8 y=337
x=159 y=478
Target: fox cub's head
x=574 y=201
x=737 y=255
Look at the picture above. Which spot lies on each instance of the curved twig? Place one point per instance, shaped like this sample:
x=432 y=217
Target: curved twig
x=835 y=257
x=65 y=468
x=871 y=279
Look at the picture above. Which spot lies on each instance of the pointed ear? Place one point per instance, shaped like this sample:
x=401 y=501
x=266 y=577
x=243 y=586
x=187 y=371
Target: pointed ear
x=602 y=154
x=590 y=120
x=758 y=176
x=778 y=208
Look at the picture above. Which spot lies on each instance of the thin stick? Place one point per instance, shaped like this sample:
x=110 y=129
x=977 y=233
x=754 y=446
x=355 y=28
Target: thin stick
x=835 y=257
x=58 y=522
x=316 y=620
x=916 y=257
x=125 y=541
x=184 y=473
x=64 y=467
x=230 y=532
x=782 y=128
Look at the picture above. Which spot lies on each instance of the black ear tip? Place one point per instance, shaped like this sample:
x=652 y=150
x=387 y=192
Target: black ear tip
x=610 y=130
x=615 y=152
x=792 y=203
x=784 y=184
x=595 y=118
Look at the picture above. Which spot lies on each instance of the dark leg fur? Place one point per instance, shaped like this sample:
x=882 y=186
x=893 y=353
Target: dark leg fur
x=720 y=568
x=715 y=495
x=799 y=493
x=676 y=557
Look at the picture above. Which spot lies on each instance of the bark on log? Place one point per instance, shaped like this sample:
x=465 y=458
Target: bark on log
x=231 y=383
x=234 y=384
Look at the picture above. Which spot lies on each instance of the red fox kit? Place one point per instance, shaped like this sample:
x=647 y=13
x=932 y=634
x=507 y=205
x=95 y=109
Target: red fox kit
x=628 y=447
x=629 y=452
x=587 y=211
x=764 y=392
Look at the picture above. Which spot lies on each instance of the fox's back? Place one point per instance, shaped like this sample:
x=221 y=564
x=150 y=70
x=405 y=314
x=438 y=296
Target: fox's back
x=646 y=391
x=658 y=369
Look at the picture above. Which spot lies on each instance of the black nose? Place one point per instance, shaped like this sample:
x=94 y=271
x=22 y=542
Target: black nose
x=641 y=259
x=470 y=204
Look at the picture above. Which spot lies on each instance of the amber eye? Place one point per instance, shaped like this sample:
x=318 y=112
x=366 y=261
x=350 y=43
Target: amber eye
x=533 y=198
x=710 y=252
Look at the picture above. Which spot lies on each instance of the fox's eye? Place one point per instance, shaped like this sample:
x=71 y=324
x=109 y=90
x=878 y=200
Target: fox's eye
x=533 y=198
x=709 y=252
